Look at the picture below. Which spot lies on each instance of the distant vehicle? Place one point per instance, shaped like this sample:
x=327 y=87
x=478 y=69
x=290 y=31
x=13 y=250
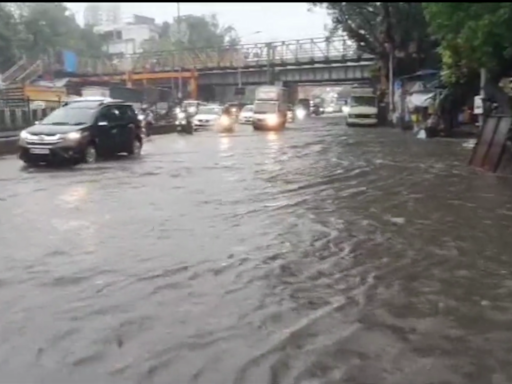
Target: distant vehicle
x=234 y=109
x=191 y=107
x=317 y=110
x=362 y=109
x=207 y=117
x=270 y=108
x=305 y=104
x=290 y=114
x=246 y=114
x=80 y=132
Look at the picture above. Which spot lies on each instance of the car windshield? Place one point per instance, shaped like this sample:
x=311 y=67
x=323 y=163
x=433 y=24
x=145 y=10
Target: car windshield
x=363 y=101
x=69 y=116
x=248 y=108
x=265 y=107
x=209 y=111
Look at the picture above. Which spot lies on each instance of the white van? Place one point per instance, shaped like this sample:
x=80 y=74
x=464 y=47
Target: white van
x=362 y=110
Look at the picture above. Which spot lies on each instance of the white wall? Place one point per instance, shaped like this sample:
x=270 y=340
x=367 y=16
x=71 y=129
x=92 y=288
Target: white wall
x=132 y=37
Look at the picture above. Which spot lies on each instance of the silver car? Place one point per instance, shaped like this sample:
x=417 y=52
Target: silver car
x=246 y=115
x=207 y=117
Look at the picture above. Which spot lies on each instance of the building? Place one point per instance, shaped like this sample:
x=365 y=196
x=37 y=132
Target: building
x=128 y=37
x=102 y=14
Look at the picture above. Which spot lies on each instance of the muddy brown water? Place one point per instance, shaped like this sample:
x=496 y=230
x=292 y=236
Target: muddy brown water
x=317 y=255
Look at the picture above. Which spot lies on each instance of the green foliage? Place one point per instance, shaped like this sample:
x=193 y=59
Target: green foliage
x=191 y=32
x=38 y=29
x=374 y=27
x=472 y=36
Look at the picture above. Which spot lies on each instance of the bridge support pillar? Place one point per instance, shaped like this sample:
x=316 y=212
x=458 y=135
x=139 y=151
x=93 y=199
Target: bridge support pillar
x=293 y=92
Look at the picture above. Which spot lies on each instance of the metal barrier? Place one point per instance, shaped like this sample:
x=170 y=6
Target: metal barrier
x=15 y=119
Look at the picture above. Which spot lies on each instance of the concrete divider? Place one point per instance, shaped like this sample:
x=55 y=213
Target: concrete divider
x=8 y=146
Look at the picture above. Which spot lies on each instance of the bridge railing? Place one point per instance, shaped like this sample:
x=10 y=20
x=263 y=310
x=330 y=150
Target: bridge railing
x=290 y=52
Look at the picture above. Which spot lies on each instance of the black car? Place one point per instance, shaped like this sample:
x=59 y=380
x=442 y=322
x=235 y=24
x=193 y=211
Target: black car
x=82 y=131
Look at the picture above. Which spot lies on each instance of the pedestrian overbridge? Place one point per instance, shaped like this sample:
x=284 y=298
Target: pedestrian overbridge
x=304 y=60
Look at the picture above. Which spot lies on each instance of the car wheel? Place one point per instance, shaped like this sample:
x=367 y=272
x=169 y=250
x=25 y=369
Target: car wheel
x=90 y=154
x=136 y=147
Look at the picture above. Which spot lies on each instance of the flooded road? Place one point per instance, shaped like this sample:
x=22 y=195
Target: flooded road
x=318 y=255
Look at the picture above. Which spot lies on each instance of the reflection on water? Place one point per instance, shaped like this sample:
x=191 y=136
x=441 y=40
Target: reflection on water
x=272 y=136
x=224 y=142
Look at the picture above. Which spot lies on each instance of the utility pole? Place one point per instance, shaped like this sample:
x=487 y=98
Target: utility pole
x=180 y=82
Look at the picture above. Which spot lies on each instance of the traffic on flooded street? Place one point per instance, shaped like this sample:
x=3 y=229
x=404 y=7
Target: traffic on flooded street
x=314 y=254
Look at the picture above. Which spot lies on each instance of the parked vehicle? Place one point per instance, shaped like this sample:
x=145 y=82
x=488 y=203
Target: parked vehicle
x=80 y=132
x=270 y=108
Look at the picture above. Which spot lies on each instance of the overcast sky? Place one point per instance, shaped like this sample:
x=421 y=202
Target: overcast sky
x=276 y=21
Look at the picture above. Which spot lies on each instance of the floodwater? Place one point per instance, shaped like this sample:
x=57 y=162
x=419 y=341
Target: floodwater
x=317 y=255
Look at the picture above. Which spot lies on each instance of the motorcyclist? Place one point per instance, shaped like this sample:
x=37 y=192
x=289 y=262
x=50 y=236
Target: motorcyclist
x=149 y=119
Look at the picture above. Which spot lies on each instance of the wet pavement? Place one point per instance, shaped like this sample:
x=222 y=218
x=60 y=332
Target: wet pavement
x=317 y=255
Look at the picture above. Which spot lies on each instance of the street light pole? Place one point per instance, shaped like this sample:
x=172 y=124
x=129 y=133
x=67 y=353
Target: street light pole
x=240 y=63
x=180 y=83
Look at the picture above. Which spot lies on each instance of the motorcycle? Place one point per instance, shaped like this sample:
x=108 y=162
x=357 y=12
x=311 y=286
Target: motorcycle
x=145 y=124
x=183 y=122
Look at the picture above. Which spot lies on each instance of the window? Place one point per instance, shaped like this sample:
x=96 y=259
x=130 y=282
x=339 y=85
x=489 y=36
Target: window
x=127 y=113
x=209 y=111
x=363 y=101
x=69 y=116
x=110 y=114
x=248 y=108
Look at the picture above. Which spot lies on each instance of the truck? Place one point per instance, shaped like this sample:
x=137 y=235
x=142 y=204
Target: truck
x=270 y=108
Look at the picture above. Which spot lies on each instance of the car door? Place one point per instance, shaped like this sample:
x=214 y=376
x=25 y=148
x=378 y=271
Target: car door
x=108 y=124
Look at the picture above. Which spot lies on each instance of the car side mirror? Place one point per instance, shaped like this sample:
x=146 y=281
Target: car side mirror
x=102 y=123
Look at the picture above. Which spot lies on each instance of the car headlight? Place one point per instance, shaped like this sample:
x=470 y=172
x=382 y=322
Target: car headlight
x=181 y=115
x=300 y=113
x=73 y=136
x=272 y=119
x=24 y=135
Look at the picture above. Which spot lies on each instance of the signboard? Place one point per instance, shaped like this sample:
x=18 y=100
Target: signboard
x=398 y=85
x=70 y=61
x=240 y=91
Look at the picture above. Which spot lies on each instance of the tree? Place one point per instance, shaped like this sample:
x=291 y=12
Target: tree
x=474 y=36
x=193 y=32
x=36 y=30
x=8 y=38
x=379 y=28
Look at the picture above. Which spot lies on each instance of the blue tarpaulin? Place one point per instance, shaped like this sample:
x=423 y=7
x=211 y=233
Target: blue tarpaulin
x=70 y=61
